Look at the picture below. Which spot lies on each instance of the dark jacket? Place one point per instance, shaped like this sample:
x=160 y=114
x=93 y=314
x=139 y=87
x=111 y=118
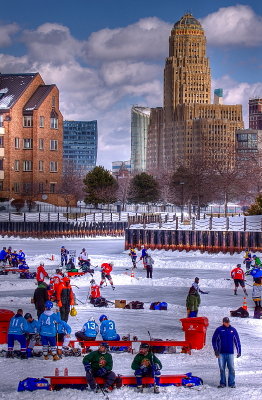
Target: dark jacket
x=193 y=301
x=224 y=339
x=95 y=357
x=40 y=297
x=150 y=357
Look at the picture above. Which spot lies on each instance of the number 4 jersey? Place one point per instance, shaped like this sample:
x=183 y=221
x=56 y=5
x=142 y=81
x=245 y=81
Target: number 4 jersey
x=47 y=323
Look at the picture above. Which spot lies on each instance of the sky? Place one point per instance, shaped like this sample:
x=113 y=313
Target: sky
x=107 y=55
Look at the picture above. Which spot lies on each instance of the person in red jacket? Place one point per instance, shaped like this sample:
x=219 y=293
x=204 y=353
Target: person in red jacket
x=94 y=292
x=239 y=278
x=65 y=298
x=106 y=269
x=41 y=273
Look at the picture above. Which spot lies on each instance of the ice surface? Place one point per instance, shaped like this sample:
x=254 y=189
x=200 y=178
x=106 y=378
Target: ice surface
x=172 y=276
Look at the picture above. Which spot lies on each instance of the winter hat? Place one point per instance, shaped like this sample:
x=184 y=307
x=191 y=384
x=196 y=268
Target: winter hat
x=226 y=319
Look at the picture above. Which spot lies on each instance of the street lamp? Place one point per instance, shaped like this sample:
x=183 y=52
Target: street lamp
x=182 y=201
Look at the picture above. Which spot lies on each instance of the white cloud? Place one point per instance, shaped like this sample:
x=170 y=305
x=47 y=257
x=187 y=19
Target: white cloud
x=146 y=39
x=51 y=43
x=235 y=25
x=6 y=31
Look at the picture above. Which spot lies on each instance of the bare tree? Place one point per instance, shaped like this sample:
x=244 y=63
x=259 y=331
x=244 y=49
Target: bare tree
x=71 y=187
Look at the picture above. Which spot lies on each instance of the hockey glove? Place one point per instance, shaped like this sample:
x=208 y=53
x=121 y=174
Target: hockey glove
x=87 y=367
x=238 y=355
x=143 y=368
x=101 y=371
x=156 y=367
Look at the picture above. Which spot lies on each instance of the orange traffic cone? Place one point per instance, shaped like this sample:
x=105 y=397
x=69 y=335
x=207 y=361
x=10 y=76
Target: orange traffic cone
x=132 y=274
x=245 y=304
x=52 y=257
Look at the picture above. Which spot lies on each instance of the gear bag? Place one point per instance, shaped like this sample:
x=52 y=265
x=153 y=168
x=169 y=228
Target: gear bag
x=240 y=312
x=100 y=302
x=135 y=305
x=158 y=305
x=191 y=381
x=32 y=384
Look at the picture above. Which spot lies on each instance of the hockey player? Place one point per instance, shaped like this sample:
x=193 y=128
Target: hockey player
x=133 y=255
x=83 y=257
x=239 y=278
x=64 y=255
x=106 y=269
x=148 y=263
x=108 y=329
x=63 y=336
x=99 y=363
x=86 y=267
x=16 y=331
x=65 y=298
x=32 y=334
x=47 y=327
x=41 y=273
x=94 y=291
x=89 y=331
x=257 y=261
x=56 y=280
x=143 y=255
x=195 y=285
x=248 y=261
x=146 y=363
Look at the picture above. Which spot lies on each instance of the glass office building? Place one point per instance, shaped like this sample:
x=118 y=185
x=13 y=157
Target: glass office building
x=80 y=144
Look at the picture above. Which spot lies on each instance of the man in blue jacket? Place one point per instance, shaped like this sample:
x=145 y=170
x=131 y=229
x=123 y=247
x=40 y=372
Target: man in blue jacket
x=223 y=341
x=17 y=329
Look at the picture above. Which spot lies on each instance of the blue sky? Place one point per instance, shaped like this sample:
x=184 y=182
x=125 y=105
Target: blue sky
x=106 y=55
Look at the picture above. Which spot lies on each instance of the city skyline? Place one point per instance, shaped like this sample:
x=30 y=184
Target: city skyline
x=103 y=62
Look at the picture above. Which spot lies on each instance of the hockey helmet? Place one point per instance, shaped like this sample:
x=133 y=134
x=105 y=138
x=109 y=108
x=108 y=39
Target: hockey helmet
x=104 y=344
x=111 y=263
x=28 y=315
x=66 y=279
x=83 y=249
x=144 y=346
x=73 y=312
x=91 y=319
x=254 y=256
x=102 y=317
x=239 y=265
x=62 y=247
x=48 y=305
x=92 y=281
x=41 y=263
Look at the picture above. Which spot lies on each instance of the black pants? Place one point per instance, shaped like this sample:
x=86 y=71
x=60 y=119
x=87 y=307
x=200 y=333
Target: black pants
x=109 y=377
x=64 y=312
x=149 y=271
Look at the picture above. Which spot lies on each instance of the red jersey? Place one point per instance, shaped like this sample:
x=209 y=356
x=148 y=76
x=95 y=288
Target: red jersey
x=106 y=268
x=237 y=273
x=95 y=292
x=41 y=273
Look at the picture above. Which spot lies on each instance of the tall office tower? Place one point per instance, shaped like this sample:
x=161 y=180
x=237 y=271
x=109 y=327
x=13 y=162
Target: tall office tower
x=189 y=125
x=139 y=127
x=31 y=138
x=80 y=144
x=255 y=113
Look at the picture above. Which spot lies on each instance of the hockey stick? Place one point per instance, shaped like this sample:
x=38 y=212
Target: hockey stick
x=106 y=396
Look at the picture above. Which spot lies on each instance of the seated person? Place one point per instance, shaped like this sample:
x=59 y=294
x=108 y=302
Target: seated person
x=108 y=329
x=146 y=363
x=63 y=336
x=32 y=335
x=89 y=330
x=70 y=266
x=99 y=363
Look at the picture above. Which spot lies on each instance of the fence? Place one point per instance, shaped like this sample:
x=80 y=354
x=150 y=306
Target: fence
x=209 y=241
x=50 y=229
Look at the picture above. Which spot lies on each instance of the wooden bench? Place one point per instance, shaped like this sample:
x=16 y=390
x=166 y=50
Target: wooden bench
x=129 y=343
x=59 y=382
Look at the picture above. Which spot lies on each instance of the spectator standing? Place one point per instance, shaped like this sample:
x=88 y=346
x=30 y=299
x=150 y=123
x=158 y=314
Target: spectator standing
x=148 y=262
x=40 y=297
x=192 y=302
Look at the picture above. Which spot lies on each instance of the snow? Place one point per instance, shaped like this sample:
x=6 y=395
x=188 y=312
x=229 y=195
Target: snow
x=6 y=101
x=172 y=276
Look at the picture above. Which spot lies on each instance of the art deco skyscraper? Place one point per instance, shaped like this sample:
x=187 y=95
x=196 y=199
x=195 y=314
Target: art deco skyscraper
x=188 y=124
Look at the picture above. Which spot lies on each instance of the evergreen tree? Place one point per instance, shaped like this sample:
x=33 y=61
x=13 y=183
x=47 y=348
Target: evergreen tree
x=255 y=208
x=143 y=189
x=100 y=187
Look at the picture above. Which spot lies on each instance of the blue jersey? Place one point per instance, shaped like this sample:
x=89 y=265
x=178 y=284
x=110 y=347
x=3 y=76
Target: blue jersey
x=63 y=327
x=90 y=329
x=32 y=326
x=108 y=330
x=144 y=253
x=18 y=325
x=21 y=255
x=47 y=323
x=3 y=254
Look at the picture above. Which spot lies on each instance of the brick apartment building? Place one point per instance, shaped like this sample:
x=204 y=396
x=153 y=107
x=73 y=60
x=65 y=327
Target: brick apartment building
x=31 y=138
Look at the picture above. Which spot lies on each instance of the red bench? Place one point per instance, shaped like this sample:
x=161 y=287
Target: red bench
x=58 y=382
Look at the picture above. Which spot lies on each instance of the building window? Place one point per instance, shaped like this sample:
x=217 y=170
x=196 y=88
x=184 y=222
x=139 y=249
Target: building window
x=27 y=121
x=16 y=165
x=41 y=144
x=16 y=187
x=41 y=122
x=52 y=187
x=53 y=166
x=1 y=185
x=17 y=143
x=53 y=101
x=41 y=165
x=41 y=187
x=1 y=141
x=27 y=187
x=28 y=143
x=1 y=164
x=27 y=166
x=54 y=123
x=1 y=121
x=53 y=145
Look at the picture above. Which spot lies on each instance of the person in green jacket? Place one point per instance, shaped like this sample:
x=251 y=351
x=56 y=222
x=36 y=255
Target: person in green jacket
x=146 y=363
x=192 y=302
x=99 y=363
